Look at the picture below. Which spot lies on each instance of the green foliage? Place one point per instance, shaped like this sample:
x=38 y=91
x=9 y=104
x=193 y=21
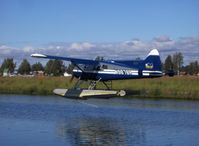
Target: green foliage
x=54 y=67
x=193 y=68
x=34 y=85
x=177 y=62
x=37 y=67
x=168 y=65
x=174 y=62
x=9 y=64
x=165 y=87
x=24 y=67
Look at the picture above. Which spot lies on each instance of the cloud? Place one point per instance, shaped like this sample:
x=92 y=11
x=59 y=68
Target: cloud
x=81 y=46
x=162 y=39
x=130 y=49
x=4 y=50
x=28 y=49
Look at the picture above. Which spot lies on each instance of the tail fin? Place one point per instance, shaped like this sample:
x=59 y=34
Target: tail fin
x=152 y=61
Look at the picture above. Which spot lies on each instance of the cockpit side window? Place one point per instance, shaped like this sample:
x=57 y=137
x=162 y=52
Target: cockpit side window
x=104 y=66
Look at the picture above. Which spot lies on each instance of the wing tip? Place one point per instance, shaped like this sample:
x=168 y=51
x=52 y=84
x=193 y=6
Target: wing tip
x=38 y=55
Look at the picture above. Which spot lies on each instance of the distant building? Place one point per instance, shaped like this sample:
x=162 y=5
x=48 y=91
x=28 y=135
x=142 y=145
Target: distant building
x=6 y=73
x=183 y=73
x=38 y=73
x=67 y=74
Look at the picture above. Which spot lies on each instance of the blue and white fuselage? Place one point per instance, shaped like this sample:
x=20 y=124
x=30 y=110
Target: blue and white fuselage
x=122 y=69
x=111 y=74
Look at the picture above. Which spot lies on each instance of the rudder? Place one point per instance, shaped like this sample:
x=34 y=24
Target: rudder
x=152 y=61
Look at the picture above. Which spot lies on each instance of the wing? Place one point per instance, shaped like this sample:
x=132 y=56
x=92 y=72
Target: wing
x=72 y=60
x=79 y=61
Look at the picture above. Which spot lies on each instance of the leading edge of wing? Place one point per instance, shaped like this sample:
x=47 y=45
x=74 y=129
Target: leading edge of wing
x=78 y=61
x=73 y=60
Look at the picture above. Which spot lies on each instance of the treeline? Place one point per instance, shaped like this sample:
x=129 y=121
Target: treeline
x=52 y=67
x=173 y=64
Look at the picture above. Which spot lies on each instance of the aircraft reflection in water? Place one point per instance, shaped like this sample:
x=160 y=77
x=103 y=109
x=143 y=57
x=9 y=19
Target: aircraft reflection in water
x=103 y=71
x=100 y=131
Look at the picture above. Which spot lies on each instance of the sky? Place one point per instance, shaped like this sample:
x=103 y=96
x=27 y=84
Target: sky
x=75 y=26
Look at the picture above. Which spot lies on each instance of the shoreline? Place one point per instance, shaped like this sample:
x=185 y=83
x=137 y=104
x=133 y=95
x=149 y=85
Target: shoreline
x=178 y=87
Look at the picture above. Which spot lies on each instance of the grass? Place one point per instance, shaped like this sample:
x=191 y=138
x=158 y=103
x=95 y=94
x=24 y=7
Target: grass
x=186 y=87
x=35 y=85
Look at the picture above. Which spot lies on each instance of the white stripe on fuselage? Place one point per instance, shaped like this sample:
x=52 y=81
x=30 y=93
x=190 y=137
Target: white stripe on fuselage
x=120 y=72
x=110 y=71
x=151 y=71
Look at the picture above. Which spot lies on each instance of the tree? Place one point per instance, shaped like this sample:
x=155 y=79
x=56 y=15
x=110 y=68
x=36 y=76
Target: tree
x=24 y=67
x=168 y=65
x=193 y=68
x=9 y=64
x=37 y=67
x=196 y=67
x=54 y=67
x=70 y=68
x=48 y=67
x=177 y=62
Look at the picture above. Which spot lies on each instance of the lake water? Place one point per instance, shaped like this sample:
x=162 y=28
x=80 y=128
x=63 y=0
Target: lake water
x=56 y=121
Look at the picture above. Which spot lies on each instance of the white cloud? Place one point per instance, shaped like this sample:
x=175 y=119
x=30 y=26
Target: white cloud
x=81 y=46
x=5 y=50
x=28 y=49
x=189 y=46
x=162 y=39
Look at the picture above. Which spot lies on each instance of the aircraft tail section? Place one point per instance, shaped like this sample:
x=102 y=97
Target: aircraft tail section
x=152 y=63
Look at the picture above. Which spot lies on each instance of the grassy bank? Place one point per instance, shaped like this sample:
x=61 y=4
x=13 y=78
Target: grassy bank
x=165 y=87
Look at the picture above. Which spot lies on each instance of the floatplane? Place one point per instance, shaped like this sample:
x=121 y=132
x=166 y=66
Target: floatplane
x=100 y=70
